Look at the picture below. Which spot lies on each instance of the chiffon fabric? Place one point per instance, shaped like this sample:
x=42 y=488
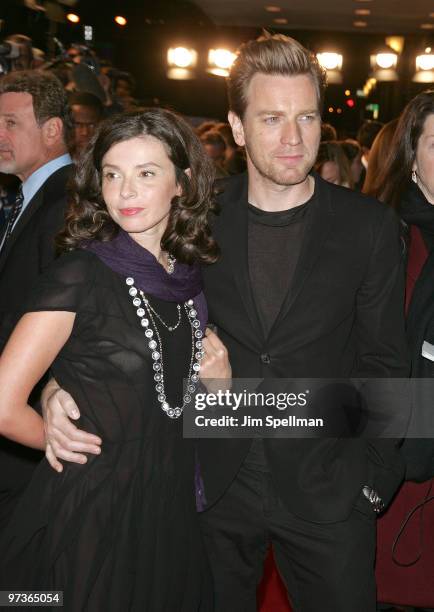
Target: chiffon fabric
x=120 y=532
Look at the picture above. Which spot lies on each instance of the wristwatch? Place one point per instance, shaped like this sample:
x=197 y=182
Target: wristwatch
x=373 y=497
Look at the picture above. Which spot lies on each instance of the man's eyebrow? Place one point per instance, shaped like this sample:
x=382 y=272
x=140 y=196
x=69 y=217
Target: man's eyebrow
x=312 y=111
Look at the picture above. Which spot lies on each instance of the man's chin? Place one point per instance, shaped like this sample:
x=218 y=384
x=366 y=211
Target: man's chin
x=7 y=168
x=290 y=177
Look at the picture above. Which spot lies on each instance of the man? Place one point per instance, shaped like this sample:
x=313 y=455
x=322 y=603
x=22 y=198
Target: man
x=87 y=111
x=309 y=284
x=34 y=118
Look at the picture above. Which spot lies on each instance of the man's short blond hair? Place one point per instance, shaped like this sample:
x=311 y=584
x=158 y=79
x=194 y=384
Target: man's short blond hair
x=271 y=55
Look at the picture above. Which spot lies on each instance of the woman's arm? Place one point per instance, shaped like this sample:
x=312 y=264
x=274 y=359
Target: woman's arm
x=30 y=351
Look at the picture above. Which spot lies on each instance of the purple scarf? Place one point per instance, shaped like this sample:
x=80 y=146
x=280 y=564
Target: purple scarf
x=126 y=257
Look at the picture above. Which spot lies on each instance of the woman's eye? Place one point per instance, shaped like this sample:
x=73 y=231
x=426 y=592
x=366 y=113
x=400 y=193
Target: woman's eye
x=146 y=173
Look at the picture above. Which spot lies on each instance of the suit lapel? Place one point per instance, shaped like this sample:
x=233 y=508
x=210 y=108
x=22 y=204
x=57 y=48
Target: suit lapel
x=34 y=205
x=319 y=223
x=43 y=193
x=234 y=242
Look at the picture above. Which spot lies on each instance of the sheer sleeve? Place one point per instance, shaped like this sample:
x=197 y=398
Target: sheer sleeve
x=64 y=285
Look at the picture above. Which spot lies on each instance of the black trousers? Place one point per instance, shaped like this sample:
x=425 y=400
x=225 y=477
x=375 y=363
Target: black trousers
x=326 y=568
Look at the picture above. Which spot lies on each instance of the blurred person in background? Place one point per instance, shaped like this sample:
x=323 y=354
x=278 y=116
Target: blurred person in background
x=405 y=562
x=25 y=59
x=39 y=58
x=205 y=126
x=381 y=147
x=87 y=112
x=215 y=147
x=235 y=158
x=332 y=164
x=123 y=89
x=328 y=132
x=365 y=137
x=353 y=151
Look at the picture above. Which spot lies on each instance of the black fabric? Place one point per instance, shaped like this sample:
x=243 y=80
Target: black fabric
x=327 y=568
x=344 y=316
x=121 y=532
x=416 y=210
x=274 y=245
x=419 y=452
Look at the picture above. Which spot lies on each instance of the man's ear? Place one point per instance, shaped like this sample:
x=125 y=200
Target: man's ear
x=52 y=130
x=237 y=128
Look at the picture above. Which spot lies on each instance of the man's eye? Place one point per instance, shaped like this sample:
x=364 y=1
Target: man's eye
x=307 y=118
x=272 y=119
x=146 y=173
x=10 y=123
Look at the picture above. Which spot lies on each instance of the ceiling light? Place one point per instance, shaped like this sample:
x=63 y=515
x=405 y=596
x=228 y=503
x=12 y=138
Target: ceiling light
x=281 y=20
x=220 y=61
x=383 y=64
x=386 y=60
x=272 y=9
x=73 y=18
x=330 y=60
x=362 y=12
x=427 y=26
x=181 y=57
x=360 y=24
x=425 y=67
x=395 y=42
x=120 y=20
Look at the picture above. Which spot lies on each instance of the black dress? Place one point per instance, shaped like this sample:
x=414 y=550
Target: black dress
x=121 y=532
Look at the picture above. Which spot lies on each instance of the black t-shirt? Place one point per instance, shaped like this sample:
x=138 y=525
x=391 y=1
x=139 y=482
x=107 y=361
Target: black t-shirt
x=274 y=243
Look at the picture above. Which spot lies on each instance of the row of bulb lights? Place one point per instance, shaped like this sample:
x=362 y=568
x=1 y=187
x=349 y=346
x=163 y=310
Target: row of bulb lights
x=182 y=62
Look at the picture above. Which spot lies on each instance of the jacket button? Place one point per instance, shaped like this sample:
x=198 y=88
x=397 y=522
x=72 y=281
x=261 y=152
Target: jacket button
x=265 y=358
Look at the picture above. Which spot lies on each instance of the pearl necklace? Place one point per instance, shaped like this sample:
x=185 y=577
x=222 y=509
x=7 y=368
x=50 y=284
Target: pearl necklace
x=156 y=348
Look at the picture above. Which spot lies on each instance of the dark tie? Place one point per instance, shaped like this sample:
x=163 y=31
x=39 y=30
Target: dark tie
x=16 y=209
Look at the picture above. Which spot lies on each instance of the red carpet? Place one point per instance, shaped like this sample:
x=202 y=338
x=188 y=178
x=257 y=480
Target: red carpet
x=271 y=592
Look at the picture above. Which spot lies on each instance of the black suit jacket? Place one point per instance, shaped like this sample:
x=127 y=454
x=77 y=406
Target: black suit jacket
x=342 y=317
x=29 y=250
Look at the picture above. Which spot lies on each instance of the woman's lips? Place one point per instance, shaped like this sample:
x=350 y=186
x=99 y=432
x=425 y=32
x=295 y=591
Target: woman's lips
x=129 y=212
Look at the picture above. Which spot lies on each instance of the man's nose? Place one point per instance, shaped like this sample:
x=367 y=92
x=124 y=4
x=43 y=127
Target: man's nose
x=290 y=133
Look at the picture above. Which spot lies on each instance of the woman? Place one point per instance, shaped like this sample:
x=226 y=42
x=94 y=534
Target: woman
x=381 y=147
x=405 y=562
x=119 y=317
x=332 y=164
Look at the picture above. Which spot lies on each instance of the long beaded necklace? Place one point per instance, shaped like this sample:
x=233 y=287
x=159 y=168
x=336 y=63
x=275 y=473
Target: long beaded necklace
x=145 y=313
x=149 y=307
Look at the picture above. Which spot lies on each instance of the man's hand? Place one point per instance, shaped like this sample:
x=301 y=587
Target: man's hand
x=64 y=439
x=215 y=368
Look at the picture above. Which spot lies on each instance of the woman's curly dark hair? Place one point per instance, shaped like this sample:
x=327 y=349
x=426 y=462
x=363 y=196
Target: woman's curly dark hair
x=187 y=236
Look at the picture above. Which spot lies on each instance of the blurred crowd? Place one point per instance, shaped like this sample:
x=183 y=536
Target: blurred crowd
x=96 y=89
